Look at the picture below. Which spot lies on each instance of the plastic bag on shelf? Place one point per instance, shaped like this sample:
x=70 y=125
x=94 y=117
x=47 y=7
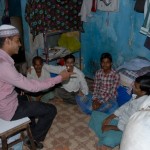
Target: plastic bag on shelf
x=70 y=41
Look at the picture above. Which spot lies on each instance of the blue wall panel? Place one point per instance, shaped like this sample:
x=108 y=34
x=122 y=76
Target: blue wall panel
x=114 y=32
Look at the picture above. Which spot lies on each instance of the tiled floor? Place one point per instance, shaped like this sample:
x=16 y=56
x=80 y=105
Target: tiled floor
x=69 y=130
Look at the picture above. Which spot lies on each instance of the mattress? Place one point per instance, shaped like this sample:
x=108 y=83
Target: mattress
x=127 y=78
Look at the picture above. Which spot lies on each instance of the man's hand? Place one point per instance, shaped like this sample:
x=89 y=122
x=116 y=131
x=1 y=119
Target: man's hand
x=65 y=74
x=109 y=127
x=108 y=119
x=106 y=123
x=80 y=93
x=96 y=104
x=106 y=128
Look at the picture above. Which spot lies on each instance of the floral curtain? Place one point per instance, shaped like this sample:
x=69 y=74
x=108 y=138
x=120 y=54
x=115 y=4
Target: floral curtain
x=43 y=15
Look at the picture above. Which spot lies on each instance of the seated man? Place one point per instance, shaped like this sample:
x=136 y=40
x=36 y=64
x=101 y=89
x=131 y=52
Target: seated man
x=109 y=128
x=38 y=72
x=137 y=131
x=105 y=88
x=72 y=87
x=13 y=108
x=76 y=85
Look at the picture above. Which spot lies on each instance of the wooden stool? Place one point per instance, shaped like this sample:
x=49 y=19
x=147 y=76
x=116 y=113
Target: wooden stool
x=11 y=128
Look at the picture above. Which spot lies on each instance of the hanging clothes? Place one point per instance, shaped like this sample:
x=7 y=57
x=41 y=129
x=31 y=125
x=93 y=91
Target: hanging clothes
x=85 y=10
x=145 y=29
x=43 y=15
x=108 y=5
x=89 y=6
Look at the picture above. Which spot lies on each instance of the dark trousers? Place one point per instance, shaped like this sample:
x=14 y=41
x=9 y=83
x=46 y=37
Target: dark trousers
x=68 y=97
x=44 y=113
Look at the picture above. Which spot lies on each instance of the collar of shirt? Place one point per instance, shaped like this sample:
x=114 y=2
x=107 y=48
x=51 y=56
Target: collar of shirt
x=6 y=57
x=111 y=72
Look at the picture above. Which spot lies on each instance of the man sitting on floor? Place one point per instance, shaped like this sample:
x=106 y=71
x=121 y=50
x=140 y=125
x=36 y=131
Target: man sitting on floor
x=39 y=72
x=75 y=85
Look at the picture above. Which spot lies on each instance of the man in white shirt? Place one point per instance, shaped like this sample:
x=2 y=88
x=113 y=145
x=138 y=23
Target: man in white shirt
x=137 y=131
x=38 y=72
x=76 y=85
x=109 y=128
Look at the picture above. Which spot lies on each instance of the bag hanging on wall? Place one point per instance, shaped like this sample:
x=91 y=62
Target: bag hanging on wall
x=5 y=17
x=139 y=6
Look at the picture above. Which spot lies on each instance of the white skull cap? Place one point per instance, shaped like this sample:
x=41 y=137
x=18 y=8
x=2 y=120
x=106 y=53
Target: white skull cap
x=8 y=30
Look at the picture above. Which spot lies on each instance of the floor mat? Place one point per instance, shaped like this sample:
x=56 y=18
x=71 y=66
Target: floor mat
x=69 y=130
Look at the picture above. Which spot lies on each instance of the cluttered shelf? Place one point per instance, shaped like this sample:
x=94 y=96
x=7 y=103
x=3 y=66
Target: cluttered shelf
x=58 y=43
x=55 y=53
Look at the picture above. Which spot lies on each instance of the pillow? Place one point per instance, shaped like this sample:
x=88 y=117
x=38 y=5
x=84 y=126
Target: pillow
x=123 y=96
x=127 y=78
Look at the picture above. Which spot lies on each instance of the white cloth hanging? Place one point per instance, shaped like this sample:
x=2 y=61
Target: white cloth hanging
x=103 y=5
x=38 y=42
x=85 y=10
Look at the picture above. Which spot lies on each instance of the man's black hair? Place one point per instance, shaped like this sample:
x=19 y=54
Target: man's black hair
x=106 y=55
x=69 y=56
x=144 y=82
x=37 y=58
